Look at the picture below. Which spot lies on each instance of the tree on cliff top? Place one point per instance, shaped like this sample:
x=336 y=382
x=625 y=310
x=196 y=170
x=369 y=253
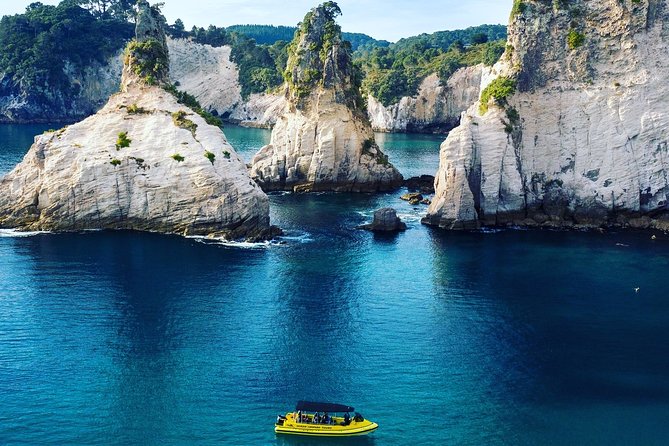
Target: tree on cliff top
x=318 y=57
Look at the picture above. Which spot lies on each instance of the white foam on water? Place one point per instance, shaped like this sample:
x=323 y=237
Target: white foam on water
x=300 y=238
x=16 y=233
x=279 y=241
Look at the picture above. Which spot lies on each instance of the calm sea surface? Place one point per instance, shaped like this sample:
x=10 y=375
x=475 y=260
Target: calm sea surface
x=512 y=337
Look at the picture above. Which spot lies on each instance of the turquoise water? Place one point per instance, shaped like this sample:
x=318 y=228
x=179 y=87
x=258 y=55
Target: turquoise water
x=512 y=337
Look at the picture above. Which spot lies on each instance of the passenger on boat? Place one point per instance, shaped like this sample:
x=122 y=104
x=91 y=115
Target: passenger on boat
x=347 y=419
x=326 y=418
x=299 y=416
x=317 y=418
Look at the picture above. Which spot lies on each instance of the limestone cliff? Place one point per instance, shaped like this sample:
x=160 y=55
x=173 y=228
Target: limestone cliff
x=435 y=109
x=143 y=162
x=323 y=140
x=573 y=127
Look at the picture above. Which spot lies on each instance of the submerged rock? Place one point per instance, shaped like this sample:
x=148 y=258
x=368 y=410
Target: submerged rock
x=143 y=162
x=385 y=220
x=572 y=129
x=323 y=141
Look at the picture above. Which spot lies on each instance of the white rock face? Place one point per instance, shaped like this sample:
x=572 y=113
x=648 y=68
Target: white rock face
x=588 y=146
x=207 y=73
x=326 y=148
x=436 y=108
x=67 y=180
x=143 y=162
x=260 y=111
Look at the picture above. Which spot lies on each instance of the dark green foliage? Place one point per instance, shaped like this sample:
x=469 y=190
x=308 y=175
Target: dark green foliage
x=178 y=158
x=115 y=162
x=258 y=67
x=519 y=7
x=122 y=141
x=107 y=9
x=395 y=72
x=226 y=154
x=37 y=45
x=444 y=39
x=210 y=156
x=269 y=35
x=189 y=101
x=478 y=38
x=499 y=89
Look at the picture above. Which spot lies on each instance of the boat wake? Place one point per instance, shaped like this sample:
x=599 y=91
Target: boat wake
x=15 y=233
x=279 y=241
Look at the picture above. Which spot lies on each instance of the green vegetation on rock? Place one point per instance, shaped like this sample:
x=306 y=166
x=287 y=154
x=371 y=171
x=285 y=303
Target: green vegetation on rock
x=499 y=89
x=189 y=101
x=123 y=141
x=179 y=119
x=134 y=109
x=178 y=158
x=115 y=162
x=319 y=58
x=210 y=156
x=575 y=39
x=148 y=59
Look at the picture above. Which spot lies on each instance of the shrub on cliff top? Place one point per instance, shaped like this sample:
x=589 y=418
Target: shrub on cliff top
x=519 y=7
x=149 y=60
x=499 y=89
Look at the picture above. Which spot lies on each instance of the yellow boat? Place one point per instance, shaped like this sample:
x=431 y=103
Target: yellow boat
x=315 y=419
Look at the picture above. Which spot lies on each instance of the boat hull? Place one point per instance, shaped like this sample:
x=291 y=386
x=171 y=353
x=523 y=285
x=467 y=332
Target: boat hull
x=355 y=428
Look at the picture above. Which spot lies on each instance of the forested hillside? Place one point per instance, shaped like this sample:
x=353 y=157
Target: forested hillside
x=397 y=71
x=269 y=34
x=41 y=47
x=37 y=45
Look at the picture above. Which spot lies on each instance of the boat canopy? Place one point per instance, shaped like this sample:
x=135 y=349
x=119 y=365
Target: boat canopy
x=310 y=406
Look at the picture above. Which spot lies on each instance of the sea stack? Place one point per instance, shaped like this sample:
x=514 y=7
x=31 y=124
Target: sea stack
x=323 y=141
x=144 y=162
x=572 y=129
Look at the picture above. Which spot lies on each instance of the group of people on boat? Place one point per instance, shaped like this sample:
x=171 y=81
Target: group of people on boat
x=317 y=418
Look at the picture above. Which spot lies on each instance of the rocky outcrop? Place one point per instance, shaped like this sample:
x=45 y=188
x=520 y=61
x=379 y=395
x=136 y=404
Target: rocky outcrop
x=436 y=108
x=385 y=220
x=574 y=129
x=323 y=140
x=143 y=162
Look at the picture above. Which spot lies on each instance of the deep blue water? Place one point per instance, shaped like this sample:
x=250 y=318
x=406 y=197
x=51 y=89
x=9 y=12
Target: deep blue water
x=512 y=337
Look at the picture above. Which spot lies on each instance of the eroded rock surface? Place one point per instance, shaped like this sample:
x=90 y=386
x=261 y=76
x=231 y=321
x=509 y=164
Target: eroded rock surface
x=580 y=137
